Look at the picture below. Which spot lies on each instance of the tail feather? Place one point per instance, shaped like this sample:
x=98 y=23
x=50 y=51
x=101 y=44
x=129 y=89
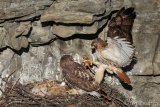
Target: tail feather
x=102 y=93
x=122 y=76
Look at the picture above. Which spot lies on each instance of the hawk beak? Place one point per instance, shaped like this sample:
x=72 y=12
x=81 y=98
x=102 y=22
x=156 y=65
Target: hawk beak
x=93 y=49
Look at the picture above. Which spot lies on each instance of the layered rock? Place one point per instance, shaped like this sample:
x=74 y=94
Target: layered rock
x=40 y=34
x=15 y=21
x=77 y=17
x=22 y=10
x=24 y=24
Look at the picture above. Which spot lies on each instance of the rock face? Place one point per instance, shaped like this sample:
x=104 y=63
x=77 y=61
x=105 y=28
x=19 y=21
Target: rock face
x=15 y=21
x=76 y=17
x=14 y=35
x=76 y=11
x=28 y=40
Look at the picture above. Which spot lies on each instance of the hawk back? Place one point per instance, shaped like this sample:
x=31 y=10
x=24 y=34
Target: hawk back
x=78 y=77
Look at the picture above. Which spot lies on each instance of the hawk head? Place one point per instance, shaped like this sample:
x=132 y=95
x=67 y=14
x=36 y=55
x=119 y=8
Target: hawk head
x=65 y=60
x=98 y=44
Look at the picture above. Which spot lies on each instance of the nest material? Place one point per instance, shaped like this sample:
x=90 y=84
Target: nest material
x=19 y=95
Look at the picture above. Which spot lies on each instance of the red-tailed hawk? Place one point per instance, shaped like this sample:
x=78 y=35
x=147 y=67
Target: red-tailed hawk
x=117 y=51
x=78 y=78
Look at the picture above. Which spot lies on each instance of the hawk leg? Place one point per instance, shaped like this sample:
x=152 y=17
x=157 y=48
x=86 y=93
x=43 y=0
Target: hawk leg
x=88 y=63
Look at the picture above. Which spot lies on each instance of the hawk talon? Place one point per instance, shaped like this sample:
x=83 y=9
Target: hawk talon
x=87 y=63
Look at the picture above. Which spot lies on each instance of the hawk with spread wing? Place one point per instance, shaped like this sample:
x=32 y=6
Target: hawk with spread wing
x=78 y=78
x=117 y=51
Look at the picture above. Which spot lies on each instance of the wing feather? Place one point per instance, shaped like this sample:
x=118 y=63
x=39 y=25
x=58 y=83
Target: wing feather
x=119 y=51
x=77 y=77
x=121 y=24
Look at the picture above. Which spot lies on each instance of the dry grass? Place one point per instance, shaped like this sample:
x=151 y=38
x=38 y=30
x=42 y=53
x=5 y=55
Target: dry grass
x=18 y=95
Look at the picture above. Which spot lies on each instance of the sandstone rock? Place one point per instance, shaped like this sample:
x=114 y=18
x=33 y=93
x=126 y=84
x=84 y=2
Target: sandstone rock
x=71 y=11
x=145 y=47
x=38 y=64
x=24 y=42
x=156 y=60
x=89 y=16
x=1 y=23
x=21 y=24
x=40 y=34
x=18 y=9
x=5 y=3
x=67 y=31
x=17 y=41
x=3 y=33
x=13 y=35
x=5 y=62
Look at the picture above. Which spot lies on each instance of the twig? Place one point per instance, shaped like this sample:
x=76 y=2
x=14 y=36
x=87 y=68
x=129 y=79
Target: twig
x=14 y=85
x=19 y=95
x=10 y=75
x=1 y=91
x=32 y=96
x=120 y=101
x=92 y=71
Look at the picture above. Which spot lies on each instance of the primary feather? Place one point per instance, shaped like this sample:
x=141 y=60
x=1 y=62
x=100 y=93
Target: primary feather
x=117 y=50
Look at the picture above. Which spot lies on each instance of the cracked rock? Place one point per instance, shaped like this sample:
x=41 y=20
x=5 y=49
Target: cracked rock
x=76 y=17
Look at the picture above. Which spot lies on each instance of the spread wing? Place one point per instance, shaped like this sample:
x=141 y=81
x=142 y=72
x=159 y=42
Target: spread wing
x=121 y=24
x=77 y=77
x=119 y=52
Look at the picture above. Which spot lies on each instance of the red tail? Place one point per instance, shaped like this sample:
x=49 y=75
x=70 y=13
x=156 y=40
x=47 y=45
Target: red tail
x=123 y=77
x=102 y=93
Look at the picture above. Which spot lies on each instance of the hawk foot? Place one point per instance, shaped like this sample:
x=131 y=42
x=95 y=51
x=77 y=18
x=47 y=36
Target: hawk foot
x=86 y=61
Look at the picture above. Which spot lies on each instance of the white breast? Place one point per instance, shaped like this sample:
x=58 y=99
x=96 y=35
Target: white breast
x=119 y=51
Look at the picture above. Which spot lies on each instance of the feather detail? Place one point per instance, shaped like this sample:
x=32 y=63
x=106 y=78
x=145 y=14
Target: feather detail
x=78 y=78
x=127 y=51
x=121 y=24
x=102 y=93
x=76 y=75
x=118 y=52
x=121 y=75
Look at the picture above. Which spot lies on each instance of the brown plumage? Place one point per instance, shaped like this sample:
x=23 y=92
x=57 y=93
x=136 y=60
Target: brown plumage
x=117 y=50
x=121 y=24
x=78 y=78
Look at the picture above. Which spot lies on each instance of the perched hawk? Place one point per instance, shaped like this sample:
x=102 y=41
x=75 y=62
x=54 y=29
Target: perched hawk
x=117 y=51
x=78 y=78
